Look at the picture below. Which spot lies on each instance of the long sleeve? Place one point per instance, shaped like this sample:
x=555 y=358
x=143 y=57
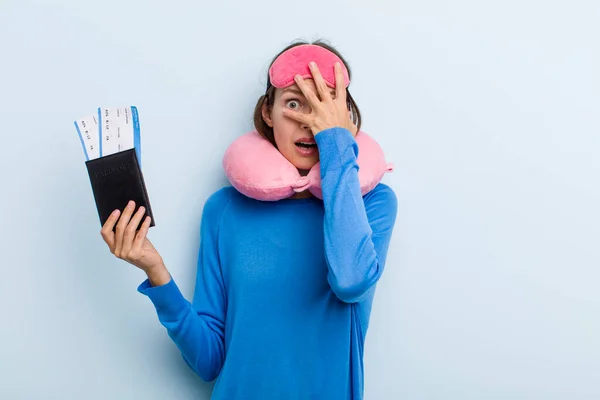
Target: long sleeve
x=197 y=328
x=357 y=229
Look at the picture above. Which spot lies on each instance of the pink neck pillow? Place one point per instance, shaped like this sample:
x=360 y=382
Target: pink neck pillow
x=258 y=170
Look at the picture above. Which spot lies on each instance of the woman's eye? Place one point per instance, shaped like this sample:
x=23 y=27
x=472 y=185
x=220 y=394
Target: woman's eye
x=293 y=104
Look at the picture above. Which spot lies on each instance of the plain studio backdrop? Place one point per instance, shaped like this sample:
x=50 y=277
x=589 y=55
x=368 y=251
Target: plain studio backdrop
x=489 y=110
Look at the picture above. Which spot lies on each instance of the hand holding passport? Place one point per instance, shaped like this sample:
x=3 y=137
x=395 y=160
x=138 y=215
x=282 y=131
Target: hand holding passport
x=111 y=142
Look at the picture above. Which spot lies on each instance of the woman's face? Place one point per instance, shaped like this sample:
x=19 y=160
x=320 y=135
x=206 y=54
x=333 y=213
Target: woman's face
x=294 y=140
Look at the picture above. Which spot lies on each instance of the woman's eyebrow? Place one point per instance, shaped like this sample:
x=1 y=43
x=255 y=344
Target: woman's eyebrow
x=299 y=92
x=292 y=90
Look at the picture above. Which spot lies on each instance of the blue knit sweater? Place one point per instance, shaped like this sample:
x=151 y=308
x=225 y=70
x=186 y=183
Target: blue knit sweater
x=284 y=289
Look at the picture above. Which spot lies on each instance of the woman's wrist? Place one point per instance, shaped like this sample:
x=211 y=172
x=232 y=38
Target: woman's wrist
x=158 y=275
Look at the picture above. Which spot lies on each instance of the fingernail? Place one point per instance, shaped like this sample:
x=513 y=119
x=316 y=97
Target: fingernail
x=130 y=204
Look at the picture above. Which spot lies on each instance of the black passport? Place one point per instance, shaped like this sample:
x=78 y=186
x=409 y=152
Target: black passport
x=116 y=179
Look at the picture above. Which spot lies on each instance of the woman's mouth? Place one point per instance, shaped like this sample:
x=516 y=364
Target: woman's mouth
x=306 y=147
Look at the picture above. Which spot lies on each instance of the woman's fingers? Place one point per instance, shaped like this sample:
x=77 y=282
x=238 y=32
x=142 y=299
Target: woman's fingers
x=298 y=116
x=310 y=96
x=107 y=229
x=130 y=230
x=121 y=225
x=340 y=86
x=320 y=84
x=325 y=112
x=140 y=237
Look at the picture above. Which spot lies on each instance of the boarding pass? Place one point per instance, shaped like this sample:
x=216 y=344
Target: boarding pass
x=110 y=130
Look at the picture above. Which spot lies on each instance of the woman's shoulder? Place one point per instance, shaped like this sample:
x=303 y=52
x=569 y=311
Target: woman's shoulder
x=381 y=204
x=382 y=192
x=220 y=198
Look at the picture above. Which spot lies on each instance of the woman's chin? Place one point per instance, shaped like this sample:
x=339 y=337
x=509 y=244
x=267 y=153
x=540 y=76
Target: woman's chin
x=304 y=166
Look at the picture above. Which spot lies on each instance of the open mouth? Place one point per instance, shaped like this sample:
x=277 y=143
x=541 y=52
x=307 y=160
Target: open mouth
x=305 y=145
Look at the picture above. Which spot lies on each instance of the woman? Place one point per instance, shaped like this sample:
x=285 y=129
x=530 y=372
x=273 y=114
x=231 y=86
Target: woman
x=284 y=288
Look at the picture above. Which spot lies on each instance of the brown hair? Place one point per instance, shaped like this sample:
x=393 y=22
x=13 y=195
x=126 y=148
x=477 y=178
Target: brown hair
x=269 y=97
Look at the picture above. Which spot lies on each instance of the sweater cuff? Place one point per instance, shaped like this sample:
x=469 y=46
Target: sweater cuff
x=167 y=299
x=337 y=148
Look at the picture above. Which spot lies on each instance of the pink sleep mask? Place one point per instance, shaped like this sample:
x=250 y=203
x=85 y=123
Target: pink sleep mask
x=295 y=61
x=258 y=170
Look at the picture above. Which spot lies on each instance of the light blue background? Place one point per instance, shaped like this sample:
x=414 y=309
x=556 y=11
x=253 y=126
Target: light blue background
x=490 y=111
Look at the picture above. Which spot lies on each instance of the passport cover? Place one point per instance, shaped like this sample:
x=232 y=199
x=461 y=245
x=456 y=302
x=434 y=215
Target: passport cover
x=116 y=179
